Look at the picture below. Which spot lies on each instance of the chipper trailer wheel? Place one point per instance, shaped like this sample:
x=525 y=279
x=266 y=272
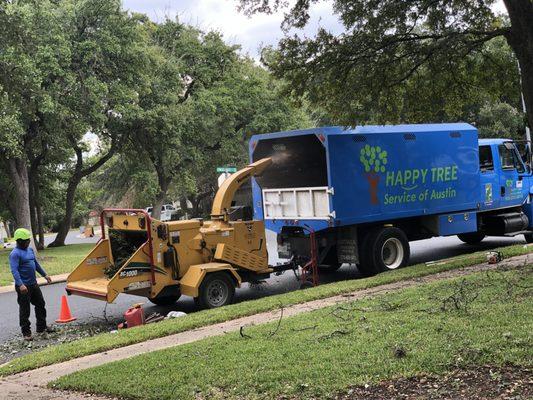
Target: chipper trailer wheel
x=471 y=238
x=216 y=290
x=384 y=249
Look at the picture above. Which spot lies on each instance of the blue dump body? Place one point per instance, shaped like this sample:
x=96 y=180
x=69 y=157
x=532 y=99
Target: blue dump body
x=395 y=172
x=428 y=176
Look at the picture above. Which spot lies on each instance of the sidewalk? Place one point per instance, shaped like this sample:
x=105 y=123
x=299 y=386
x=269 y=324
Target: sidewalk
x=32 y=384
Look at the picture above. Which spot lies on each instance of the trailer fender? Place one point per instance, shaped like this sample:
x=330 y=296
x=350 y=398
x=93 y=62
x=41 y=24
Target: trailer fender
x=191 y=281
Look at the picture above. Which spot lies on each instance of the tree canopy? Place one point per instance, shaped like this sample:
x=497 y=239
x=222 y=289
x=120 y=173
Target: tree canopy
x=392 y=52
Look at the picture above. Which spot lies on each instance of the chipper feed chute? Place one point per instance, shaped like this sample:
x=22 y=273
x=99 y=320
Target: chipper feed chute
x=110 y=269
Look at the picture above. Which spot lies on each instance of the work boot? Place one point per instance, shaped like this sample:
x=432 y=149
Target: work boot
x=28 y=337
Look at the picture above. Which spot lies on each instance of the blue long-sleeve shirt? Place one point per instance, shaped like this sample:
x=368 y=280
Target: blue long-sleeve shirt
x=23 y=266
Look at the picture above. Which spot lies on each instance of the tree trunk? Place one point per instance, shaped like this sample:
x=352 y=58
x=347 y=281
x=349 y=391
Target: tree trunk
x=184 y=207
x=64 y=226
x=8 y=231
x=40 y=218
x=160 y=199
x=196 y=206
x=158 y=204
x=19 y=176
x=520 y=38
x=33 y=201
x=35 y=198
x=74 y=181
x=164 y=183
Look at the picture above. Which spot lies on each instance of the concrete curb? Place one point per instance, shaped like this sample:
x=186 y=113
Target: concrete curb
x=40 y=281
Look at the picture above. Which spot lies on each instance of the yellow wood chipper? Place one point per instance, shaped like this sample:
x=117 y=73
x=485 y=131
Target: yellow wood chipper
x=206 y=260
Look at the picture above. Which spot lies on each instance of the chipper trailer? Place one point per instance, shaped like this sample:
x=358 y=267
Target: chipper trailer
x=163 y=260
x=367 y=192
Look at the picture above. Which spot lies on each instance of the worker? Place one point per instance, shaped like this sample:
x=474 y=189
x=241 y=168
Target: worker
x=23 y=266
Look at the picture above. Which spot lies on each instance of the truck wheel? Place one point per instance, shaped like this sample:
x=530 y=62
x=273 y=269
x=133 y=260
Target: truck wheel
x=164 y=300
x=216 y=290
x=471 y=238
x=384 y=249
x=330 y=262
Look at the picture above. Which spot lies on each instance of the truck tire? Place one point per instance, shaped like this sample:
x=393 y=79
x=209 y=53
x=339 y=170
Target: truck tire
x=164 y=300
x=384 y=249
x=216 y=290
x=471 y=238
x=330 y=263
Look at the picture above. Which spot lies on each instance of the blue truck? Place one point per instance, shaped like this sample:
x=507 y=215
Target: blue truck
x=366 y=192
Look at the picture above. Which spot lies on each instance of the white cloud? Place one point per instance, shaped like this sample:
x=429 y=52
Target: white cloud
x=222 y=15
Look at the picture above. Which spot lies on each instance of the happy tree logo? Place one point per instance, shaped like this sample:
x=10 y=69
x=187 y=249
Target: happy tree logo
x=374 y=160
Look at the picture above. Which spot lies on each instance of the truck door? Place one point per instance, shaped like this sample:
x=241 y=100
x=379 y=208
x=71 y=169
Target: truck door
x=512 y=173
x=490 y=180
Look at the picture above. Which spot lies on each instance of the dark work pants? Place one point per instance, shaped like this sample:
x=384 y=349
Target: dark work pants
x=33 y=296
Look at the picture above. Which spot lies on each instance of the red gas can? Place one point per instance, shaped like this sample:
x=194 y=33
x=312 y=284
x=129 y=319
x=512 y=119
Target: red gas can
x=134 y=316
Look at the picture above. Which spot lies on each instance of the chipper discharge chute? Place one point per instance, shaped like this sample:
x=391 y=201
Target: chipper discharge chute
x=163 y=260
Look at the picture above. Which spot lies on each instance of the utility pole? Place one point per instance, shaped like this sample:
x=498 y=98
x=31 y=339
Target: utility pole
x=528 y=132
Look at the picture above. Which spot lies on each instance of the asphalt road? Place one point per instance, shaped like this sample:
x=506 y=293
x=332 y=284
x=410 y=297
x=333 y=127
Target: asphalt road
x=88 y=310
x=73 y=237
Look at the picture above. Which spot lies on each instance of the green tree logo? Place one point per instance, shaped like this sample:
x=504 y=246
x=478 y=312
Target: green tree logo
x=374 y=160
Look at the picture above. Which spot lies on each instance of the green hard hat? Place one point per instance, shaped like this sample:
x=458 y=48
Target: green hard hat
x=22 y=234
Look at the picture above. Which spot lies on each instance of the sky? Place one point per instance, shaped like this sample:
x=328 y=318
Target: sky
x=251 y=33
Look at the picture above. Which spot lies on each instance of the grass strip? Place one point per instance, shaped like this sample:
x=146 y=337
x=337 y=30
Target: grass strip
x=56 y=260
x=485 y=318
x=108 y=341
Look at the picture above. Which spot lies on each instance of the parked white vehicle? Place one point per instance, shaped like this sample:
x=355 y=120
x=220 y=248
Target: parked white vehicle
x=167 y=211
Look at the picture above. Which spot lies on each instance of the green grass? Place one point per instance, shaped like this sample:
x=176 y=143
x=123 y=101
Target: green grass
x=318 y=354
x=107 y=341
x=57 y=260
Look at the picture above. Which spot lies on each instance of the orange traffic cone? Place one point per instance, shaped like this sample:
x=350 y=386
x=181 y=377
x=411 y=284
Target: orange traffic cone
x=64 y=314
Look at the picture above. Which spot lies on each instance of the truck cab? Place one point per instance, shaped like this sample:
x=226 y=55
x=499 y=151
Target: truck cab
x=505 y=177
x=505 y=191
